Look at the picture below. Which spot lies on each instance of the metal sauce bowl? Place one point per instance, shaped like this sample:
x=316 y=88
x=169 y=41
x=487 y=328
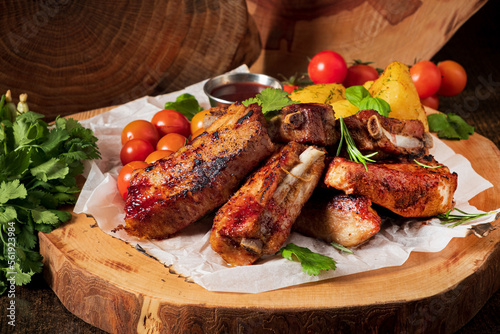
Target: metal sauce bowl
x=225 y=79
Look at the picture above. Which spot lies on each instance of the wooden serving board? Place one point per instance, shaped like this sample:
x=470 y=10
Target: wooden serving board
x=109 y=284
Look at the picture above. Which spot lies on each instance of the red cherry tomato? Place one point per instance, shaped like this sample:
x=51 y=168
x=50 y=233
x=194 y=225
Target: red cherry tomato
x=289 y=88
x=171 y=142
x=426 y=77
x=123 y=181
x=431 y=101
x=135 y=150
x=358 y=74
x=453 y=78
x=171 y=121
x=197 y=121
x=157 y=155
x=140 y=129
x=327 y=67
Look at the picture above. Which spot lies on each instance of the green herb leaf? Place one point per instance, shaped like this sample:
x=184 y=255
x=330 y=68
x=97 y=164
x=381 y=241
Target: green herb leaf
x=270 y=99
x=360 y=97
x=353 y=152
x=463 y=129
x=11 y=190
x=186 y=104
x=449 y=126
x=341 y=248
x=312 y=263
x=375 y=103
x=20 y=277
x=38 y=166
x=424 y=165
x=7 y=214
x=356 y=94
x=26 y=237
x=44 y=217
x=31 y=261
x=50 y=170
x=459 y=219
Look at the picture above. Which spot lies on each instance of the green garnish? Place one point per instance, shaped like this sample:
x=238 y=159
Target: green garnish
x=298 y=79
x=456 y=219
x=360 y=97
x=352 y=150
x=424 y=165
x=312 y=263
x=341 y=248
x=186 y=104
x=450 y=126
x=271 y=100
x=8 y=110
x=38 y=166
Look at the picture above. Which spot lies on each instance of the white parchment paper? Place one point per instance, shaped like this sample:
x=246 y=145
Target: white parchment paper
x=189 y=253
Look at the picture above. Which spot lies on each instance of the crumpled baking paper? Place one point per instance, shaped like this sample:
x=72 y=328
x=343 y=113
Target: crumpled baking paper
x=189 y=253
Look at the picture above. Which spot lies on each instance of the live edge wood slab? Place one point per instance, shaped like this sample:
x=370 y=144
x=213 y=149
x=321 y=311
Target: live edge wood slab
x=111 y=285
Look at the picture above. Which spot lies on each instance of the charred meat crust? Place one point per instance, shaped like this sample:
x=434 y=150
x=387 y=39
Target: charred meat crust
x=178 y=190
x=348 y=220
x=389 y=137
x=254 y=222
x=401 y=186
x=305 y=123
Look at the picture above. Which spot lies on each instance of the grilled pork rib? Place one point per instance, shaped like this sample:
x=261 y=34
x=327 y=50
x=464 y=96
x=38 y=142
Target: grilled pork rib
x=305 y=123
x=348 y=220
x=178 y=190
x=404 y=187
x=390 y=137
x=257 y=220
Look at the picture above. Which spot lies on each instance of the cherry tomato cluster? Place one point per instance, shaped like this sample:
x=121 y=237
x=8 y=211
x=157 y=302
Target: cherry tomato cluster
x=447 y=78
x=144 y=142
x=330 y=67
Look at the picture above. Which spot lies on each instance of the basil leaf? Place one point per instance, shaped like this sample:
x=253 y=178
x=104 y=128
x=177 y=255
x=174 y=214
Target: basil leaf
x=356 y=94
x=186 y=104
x=376 y=103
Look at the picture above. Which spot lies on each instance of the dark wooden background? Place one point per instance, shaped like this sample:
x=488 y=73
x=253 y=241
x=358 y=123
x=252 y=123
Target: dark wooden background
x=475 y=46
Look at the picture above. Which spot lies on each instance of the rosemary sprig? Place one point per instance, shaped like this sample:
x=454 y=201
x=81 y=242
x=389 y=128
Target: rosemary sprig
x=353 y=152
x=424 y=165
x=341 y=248
x=456 y=219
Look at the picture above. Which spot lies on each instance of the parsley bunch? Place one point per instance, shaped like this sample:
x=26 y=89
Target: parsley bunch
x=38 y=166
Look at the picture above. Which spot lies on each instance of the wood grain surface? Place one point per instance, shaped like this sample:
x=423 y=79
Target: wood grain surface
x=72 y=56
x=111 y=285
x=377 y=31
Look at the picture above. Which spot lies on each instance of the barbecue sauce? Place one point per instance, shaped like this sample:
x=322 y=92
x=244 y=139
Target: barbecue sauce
x=238 y=91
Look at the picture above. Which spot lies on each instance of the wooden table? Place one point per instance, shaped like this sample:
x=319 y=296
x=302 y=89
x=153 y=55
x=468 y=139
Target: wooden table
x=40 y=311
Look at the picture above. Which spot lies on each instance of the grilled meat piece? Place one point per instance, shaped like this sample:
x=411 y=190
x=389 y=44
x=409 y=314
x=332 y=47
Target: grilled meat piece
x=403 y=186
x=218 y=117
x=257 y=220
x=306 y=123
x=348 y=220
x=178 y=190
x=213 y=114
x=390 y=137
